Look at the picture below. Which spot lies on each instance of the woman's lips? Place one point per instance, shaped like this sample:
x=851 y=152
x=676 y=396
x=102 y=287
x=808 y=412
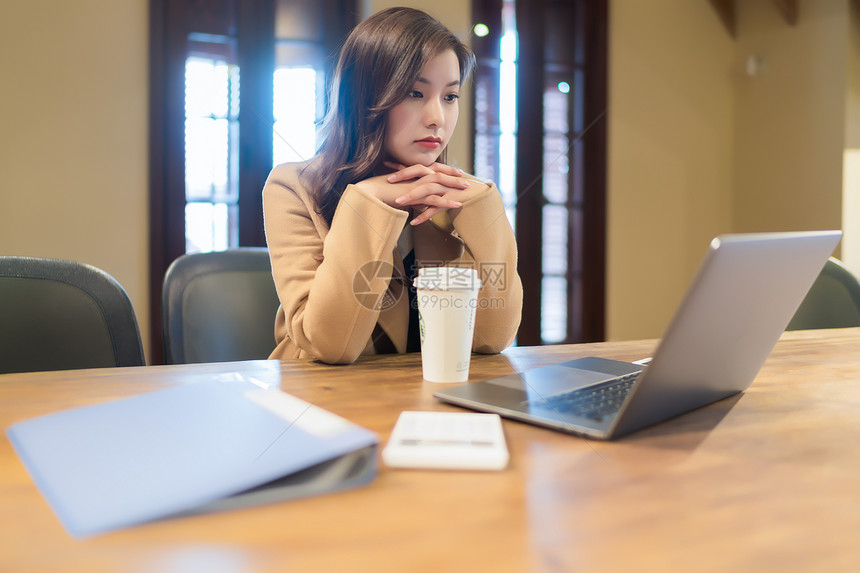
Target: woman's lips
x=430 y=142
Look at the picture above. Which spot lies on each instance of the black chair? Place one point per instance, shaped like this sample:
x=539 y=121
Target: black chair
x=64 y=315
x=832 y=302
x=219 y=307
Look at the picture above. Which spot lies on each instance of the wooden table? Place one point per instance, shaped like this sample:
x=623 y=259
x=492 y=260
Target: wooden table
x=768 y=480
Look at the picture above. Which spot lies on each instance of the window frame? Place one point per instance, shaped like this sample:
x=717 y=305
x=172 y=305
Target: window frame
x=586 y=202
x=252 y=23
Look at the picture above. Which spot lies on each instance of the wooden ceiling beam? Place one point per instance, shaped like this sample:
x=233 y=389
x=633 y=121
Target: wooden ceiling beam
x=788 y=9
x=726 y=11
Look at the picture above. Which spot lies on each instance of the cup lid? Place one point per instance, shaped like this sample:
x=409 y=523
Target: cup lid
x=447 y=278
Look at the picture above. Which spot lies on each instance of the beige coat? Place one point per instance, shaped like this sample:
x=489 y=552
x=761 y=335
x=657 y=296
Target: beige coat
x=335 y=283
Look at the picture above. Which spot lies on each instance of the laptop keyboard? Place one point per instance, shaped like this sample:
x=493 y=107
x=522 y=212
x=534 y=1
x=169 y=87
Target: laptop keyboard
x=598 y=402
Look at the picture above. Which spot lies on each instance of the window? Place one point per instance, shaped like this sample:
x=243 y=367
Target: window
x=540 y=102
x=495 y=46
x=303 y=61
x=237 y=86
x=211 y=145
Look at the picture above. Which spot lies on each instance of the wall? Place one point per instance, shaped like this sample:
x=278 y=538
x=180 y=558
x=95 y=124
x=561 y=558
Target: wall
x=851 y=168
x=697 y=147
x=790 y=117
x=670 y=161
x=73 y=154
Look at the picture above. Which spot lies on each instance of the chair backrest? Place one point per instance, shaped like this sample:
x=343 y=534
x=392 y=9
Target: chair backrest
x=219 y=307
x=832 y=302
x=64 y=315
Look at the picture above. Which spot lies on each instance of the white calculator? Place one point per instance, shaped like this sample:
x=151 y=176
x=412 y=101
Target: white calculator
x=447 y=440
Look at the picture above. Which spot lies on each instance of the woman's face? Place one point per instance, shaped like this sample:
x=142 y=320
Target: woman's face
x=420 y=126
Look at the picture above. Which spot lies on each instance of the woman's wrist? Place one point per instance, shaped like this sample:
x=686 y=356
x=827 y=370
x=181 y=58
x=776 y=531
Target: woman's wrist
x=379 y=188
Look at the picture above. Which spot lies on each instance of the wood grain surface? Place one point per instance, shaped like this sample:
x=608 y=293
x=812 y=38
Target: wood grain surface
x=766 y=480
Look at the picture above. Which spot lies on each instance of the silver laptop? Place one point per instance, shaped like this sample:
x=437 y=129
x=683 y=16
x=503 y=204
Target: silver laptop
x=746 y=291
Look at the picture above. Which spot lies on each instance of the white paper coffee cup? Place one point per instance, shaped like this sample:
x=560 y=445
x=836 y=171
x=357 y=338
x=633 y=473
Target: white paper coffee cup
x=447 y=299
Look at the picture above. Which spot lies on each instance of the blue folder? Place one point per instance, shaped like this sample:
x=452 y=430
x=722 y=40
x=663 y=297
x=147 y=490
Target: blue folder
x=193 y=448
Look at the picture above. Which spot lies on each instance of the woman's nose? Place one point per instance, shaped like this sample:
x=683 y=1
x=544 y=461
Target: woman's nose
x=433 y=116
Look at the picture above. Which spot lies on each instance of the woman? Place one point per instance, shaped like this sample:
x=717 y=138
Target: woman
x=336 y=225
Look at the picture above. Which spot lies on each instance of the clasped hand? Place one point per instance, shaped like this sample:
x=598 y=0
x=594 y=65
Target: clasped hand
x=435 y=187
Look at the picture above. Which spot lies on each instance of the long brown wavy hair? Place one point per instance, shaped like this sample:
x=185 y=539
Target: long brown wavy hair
x=378 y=65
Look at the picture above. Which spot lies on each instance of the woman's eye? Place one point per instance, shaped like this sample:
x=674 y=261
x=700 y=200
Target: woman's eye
x=416 y=94
x=452 y=97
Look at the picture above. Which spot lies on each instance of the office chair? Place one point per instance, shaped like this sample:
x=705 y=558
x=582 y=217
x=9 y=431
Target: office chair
x=64 y=315
x=832 y=302
x=219 y=307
